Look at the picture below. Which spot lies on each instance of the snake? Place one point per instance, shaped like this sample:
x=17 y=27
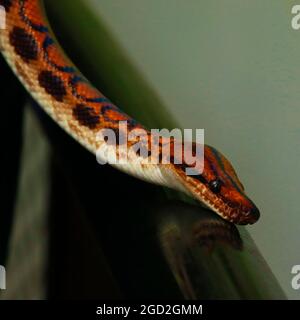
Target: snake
x=30 y=48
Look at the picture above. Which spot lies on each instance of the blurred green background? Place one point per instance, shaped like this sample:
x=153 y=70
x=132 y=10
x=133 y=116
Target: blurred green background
x=231 y=67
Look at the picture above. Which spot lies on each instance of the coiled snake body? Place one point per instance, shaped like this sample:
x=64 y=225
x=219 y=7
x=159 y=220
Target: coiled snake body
x=30 y=49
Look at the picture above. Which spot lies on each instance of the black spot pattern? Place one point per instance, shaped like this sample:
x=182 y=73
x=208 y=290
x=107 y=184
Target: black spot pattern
x=6 y=4
x=25 y=45
x=86 y=116
x=52 y=84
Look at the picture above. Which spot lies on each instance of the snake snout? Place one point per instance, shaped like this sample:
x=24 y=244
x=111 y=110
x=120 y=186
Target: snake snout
x=251 y=216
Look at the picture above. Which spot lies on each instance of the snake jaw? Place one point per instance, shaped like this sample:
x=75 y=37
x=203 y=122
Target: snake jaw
x=234 y=212
x=237 y=214
x=217 y=187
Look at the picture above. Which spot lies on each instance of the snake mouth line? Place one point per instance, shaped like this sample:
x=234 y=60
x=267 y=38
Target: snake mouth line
x=234 y=215
x=238 y=215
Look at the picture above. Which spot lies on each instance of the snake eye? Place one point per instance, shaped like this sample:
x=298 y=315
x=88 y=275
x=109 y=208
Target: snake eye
x=215 y=185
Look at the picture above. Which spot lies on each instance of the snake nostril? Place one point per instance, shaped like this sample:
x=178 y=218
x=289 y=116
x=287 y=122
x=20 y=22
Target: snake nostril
x=255 y=214
x=251 y=216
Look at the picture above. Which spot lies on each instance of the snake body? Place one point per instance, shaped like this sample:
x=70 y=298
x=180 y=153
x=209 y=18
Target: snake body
x=29 y=47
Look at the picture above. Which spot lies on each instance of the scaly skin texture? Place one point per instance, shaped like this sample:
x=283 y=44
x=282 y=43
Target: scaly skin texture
x=30 y=49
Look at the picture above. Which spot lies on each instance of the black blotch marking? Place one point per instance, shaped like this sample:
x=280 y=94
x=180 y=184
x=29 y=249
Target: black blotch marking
x=25 y=45
x=6 y=4
x=52 y=84
x=86 y=116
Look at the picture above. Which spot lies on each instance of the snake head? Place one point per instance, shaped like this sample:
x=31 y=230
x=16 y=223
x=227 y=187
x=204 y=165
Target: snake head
x=218 y=188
